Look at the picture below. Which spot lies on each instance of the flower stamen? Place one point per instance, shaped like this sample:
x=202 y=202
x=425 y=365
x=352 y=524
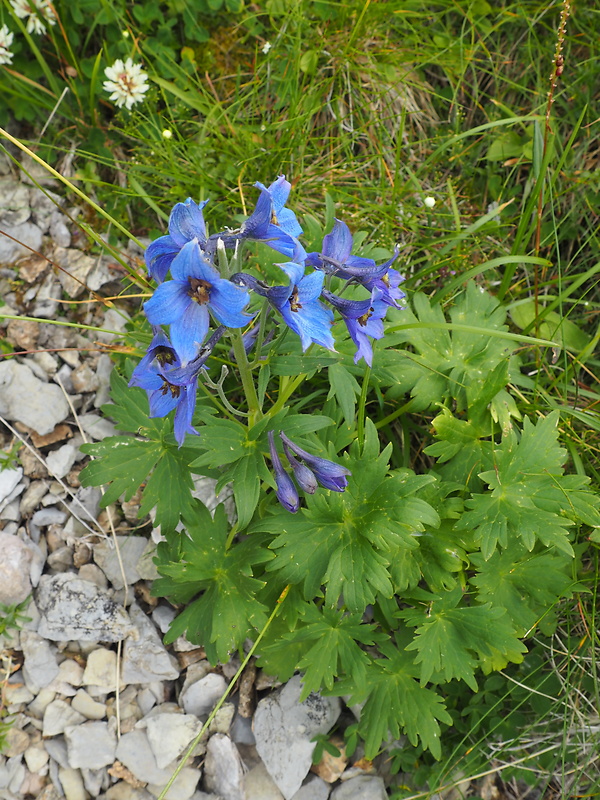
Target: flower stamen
x=199 y=291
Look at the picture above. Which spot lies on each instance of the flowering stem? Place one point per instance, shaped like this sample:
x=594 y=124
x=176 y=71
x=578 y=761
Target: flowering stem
x=285 y=393
x=360 y=421
x=254 y=409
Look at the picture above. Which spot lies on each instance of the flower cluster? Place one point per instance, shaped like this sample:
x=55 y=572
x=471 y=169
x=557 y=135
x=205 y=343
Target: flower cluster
x=127 y=82
x=193 y=293
x=6 y=38
x=308 y=475
x=38 y=14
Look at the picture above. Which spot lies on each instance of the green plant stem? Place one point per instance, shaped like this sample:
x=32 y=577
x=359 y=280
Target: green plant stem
x=254 y=409
x=285 y=393
x=362 y=402
x=225 y=695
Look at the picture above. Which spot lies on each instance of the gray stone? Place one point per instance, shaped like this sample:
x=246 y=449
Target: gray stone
x=241 y=730
x=86 y=705
x=163 y=616
x=39 y=666
x=95 y=780
x=130 y=550
x=36 y=757
x=12 y=774
x=115 y=320
x=24 y=398
x=32 y=497
x=58 y=230
x=91 y=745
x=59 y=715
x=72 y=784
x=223 y=768
x=45 y=302
x=60 y=461
x=49 y=516
x=97 y=427
x=169 y=735
x=363 y=787
x=57 y=750
x=103 y=372
x=101 y=670
x=15 y=583
x=9 y=480
x=201 y=697
x=183 y=786
x=313 y=788
x=134 y=751
x=146 y=659
x=71 y=608
x=28 y=237
x=284 y=727
x=258 y=785
x=14 y=202
x=70 y=675
x=76 y=267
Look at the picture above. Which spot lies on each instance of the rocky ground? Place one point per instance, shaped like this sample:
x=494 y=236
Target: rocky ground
x=101 y=708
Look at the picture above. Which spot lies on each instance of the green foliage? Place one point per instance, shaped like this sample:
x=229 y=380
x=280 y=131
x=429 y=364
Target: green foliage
x=13 y=617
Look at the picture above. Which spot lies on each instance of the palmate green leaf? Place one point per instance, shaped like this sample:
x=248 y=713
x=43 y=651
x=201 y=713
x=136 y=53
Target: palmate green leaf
x=452 y=363
x=345 y=389
x=395 y=703
x=451 y=642
x=225 y=441
x=122 y=463
x=525 y=584
x=530 y=496
x=228 y=611
x=130 y=408
x=349 y=541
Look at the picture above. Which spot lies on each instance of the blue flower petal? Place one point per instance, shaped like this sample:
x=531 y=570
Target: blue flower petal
x=159 y=255
x=227 y=301
x=190 y=263
x=312 y=323
x=189 y=331
x=338 y=244
x=295 y=272
x=163 y=400
x=187 y=222
x=167 y=304
x=311 y=286
x=185 y=412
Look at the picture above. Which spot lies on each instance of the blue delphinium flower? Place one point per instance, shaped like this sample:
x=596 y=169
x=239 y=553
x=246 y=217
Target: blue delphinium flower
x=185 y=224
x=329 y=474
x=274 y=224
x=184 y=302
x=335 y=259
x=363 y=318
x=287 y=494
x=304 y=476
x=298 y=303
x=168 y=384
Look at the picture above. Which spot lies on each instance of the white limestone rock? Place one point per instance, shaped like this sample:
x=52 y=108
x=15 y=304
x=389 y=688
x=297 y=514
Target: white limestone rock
x=284 y=727
x=201 y=697
x=39 y=665
x=91 y=745
x=145 y=659
x=223 y=768
x=24 y=398
x=169 y=735
x=363 y=787
x=74 y=609
x=15 y=583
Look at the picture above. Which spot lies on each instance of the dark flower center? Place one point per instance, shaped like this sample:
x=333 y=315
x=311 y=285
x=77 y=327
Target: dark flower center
x=164 y=355
x=294 y=304
x=199 y=291
x=365 y=317
x=169 y=387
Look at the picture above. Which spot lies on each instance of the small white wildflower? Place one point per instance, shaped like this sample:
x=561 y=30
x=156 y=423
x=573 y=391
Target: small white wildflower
x=266 y=47
x=127 y=82
x=37 y=13
x=167 y=134
x=429 y=202
x=125 y=34
x=6 y=38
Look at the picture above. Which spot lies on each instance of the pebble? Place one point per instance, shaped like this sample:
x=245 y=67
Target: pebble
x=223 y=768
x=101 y=670
x=201 y=697
x=169 y=735
x=363 y=787
x=86 y=705
x=258 y=785
x=15 y=584
x=39 y=665
x=32 y=497
x=313 y=788
x=59 y=462
x=130 y=550
x=145 y=659
x=36 y=757
x=284 y=728
x=91 y=745
x=134 y=751
x=72 y=784
x=9 y=480
x=25 y=398
x=59 y=715
x=71 y=608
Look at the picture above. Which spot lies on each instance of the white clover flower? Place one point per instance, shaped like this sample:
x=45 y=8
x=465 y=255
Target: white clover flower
x=6 y=38
x=266 y=47
x=127 y=82
x=429 y=202
x=167 y=134
x=37 y=13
